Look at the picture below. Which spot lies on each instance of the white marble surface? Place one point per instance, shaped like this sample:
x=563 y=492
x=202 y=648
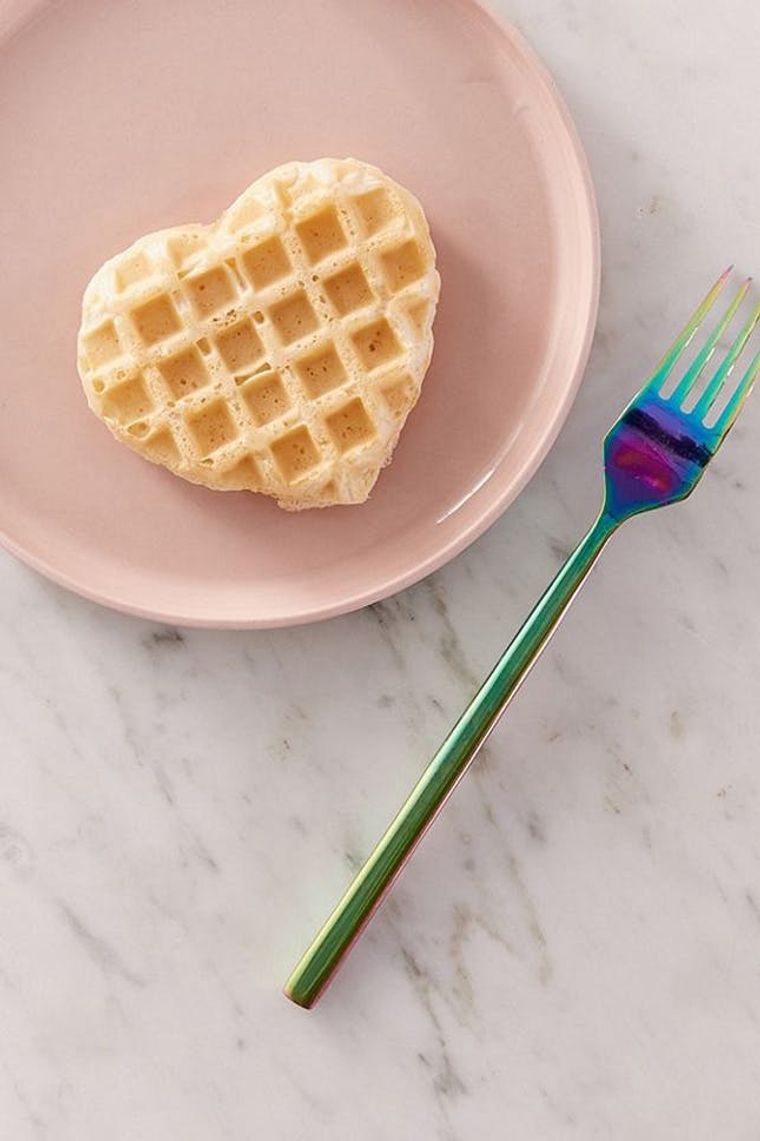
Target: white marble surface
x=575 y=951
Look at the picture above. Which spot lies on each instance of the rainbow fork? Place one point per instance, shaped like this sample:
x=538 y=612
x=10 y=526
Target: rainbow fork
x=654 y=455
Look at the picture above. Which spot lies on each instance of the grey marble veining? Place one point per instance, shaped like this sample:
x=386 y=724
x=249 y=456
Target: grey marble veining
x=574 y=951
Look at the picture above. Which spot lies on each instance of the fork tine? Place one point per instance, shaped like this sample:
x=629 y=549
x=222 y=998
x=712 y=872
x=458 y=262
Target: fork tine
x=698 y=364
x=742 y=391
x=722 y=373
x=664 y=368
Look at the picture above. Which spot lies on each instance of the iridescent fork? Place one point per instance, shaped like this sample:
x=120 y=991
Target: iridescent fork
x=654 y=455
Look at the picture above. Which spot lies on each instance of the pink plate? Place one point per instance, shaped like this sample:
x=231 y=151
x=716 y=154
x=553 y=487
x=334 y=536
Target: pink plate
x=124 y=117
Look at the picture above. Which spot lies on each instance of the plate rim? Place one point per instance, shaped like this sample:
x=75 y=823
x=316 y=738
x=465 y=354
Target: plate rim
x=492 y=511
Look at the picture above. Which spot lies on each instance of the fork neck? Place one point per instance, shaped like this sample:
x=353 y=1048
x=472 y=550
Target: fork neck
x=570 y=576
x=546 y=615
x=605 y=525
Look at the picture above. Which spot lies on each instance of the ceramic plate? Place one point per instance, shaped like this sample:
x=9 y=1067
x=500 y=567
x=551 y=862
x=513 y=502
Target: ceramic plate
x=125 y=117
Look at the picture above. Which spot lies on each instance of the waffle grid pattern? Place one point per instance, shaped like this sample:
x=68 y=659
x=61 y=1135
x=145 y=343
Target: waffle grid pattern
x=280 y=350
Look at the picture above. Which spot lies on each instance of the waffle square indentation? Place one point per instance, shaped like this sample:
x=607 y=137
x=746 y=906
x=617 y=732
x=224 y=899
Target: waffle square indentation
x=293 y=318
x=211 y=427
x=375 y=209
x=267 y=262
x=239 y=346
x=321 y=234
x=350 y=426
x=128 y=401
x=266 y=397
x=348 y=290
x=184 y=373
x=399 y=394
x=245 y=475
x=162 y=447
x=320 y=372
x=210 y=291
x=102 y=344
x=402 y=265
x=156 y=320
x=295 y=454
x=376 y=344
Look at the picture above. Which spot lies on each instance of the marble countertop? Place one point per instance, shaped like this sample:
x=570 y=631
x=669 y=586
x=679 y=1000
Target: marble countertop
x=574 y=951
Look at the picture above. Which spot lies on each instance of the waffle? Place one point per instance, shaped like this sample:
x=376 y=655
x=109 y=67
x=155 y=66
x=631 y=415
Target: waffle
x=279 y=349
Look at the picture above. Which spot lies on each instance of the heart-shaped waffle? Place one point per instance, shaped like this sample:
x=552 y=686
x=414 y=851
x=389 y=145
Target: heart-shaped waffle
x=279 y=349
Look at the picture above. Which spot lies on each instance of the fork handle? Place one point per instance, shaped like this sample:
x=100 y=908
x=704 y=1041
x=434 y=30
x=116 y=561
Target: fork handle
x=323 y=957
